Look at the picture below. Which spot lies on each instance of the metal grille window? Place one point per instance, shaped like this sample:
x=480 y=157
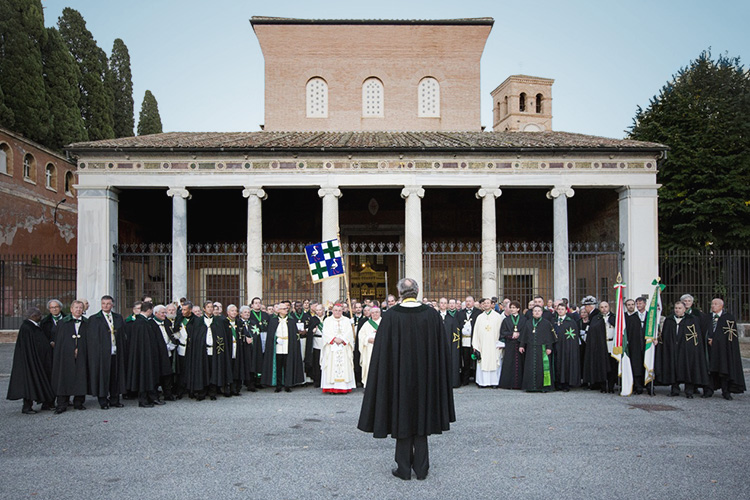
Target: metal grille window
x=317 y=98
x=372 y=98
x=452 y=270
x=429 y=98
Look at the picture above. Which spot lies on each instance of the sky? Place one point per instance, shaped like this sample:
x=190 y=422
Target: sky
x=204 y=65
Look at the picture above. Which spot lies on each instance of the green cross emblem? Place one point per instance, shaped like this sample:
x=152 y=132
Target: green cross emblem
x=319 y=270
x=330 y=250
x=570 y=333
x=255 y=329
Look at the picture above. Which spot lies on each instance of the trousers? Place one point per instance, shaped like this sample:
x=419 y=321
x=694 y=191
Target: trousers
x=412 y=453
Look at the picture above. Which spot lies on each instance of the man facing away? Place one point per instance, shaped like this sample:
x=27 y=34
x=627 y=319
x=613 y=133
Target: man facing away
x=409 y=394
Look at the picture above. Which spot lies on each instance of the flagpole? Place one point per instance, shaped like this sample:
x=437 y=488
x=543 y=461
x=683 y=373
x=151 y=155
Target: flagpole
x=346 y=280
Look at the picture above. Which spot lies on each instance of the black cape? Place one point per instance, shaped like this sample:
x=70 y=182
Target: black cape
x=99 y=351
x=511 y=376
x=143 y=370
x=204 y=370
x=237 y=338
x=636 y=333
x=680 y=353
x=537 y=363
x=725 y=358
x=409 y=383
x=293 y=372
x=453 y=334
x=312 y=332
x=69 y=372
x=546 y=314
x=596 y=364
x=567 y=353
x=30 y=375
x=160 y=346
x=251 y=362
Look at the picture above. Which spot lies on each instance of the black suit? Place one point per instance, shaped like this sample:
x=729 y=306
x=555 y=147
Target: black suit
x=467 y=364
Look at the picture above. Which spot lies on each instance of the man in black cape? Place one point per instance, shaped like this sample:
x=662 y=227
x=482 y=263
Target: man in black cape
x=30 y=375
x=144 y=372
x=511 y=376
x=546 y=313
x=314 y=344
x=537 y=343
x=164 y=345
x=282 y=362
x=52 y=319
x=635 y=328
x=409 y=391
x=725 y=361
x=567 y=350
x=680 y=356
x=301 y=321
x=466 y=318
x=209 y=362
x=258 y=325
x=453 y=334
x=596 y=364
x=179 y=331
x=69 y=374
x=250 y=342
x=105 y=346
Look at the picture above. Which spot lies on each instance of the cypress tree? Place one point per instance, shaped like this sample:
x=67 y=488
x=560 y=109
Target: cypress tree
x=22 y=35
x=96 y=97
x=121 y=84
x=6 y=115
x=61 y=76
x=149 y=121
x=702 y=115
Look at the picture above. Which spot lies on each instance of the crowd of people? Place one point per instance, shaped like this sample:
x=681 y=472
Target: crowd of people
x=161 y=353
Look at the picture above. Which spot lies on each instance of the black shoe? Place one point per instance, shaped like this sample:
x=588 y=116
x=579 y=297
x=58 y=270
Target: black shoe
x=395 y=473
x=28 y=411
x=200 y=398
x=169 y=398
x=421 y=478
x=60 y=410
x=47 y=406
x=212 y=398
x=639 y=391
x=287 y=389
x=158 y=402
x=104 y=407
x=727 y=396
x=689 y=396
x=145 y=405
x=278 y=389
x=707 y=393
x=252 y=389
x=81 y=407
x=117 y=405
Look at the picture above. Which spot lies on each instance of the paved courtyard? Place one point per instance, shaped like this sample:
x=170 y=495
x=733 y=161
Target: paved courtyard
x=505 y=444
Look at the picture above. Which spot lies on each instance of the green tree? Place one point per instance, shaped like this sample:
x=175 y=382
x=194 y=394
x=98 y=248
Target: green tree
x=22 y=35
x=121 y=84
x=96 y=102
x=61 y=76
x=703 y=115
x=149 y=121
x=6 y=114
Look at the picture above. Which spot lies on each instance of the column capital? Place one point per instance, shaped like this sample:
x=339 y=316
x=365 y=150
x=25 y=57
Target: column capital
x=639 y=191
x=408 y=191
x=108 y=192
x=254 y=191
x=329 y=191
x=489 y=191
x=179 y=191
x=557 y=191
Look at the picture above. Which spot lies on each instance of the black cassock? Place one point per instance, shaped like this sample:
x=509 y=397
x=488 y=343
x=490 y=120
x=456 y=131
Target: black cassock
x=30 y=375
x=725 y=365
x=47 y=325
x=204 y=370
x=293 y=371
x=105 y=379
x=237 y=346
x=680 y=353
x=144 y=369
x=258 y=323
x=453 y=334
x=511 y=376
x=409 y=384
x=567 y=353
x=596 y=364
x=636 y=333
x=250 y=366
x=537 y=336
x=69 y=374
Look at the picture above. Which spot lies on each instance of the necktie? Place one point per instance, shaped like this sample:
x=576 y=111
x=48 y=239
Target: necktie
x=716 y=320
x=111 y=329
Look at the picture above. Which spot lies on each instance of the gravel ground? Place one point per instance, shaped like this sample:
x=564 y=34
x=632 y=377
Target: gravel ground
x=574 y=445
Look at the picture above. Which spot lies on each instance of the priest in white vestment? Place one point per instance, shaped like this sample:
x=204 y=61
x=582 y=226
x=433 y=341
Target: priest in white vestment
x=367 y=341
x=337 y=356
x=486 y=340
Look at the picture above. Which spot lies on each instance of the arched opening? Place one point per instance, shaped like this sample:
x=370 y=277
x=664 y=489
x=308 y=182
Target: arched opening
x=539 y=99
x=317 y=98
x=69 y=183
x=522 y=102
x=428 y=93
x=372 y=98
x=50 y=177
x=6 y=159
x=29 y=167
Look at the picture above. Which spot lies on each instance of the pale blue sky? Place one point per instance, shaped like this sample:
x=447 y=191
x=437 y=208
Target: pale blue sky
x=203 y=63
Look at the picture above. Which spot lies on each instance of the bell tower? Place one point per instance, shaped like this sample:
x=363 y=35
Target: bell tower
x=522 y=103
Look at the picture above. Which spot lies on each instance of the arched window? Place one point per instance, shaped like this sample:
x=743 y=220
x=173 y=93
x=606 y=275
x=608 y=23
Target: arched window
x=50 y=177
x=317 y=98
x=6 y=163
x=429 y=98
x=69 y=183
x=372 y=98
x=539 y=99
x=522 y=102
x=29 y=167
x=507 y=110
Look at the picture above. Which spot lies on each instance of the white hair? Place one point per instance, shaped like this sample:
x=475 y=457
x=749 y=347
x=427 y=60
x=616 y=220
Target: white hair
x=159 y=308
x=244 y=308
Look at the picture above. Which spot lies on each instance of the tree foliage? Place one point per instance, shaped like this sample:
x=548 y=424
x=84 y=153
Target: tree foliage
x=149 y=121
x=61 y=76
x=22 y=36
x=97 y=102
x=703 y=115
x=6 y=114
x=121 y=84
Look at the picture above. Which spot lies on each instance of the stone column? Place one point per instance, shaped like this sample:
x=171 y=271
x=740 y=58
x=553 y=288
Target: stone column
x=413 y=234
x=639 y=233
x=97 y=237
x=255 y=195
x=332 y=287
x=560 y=195
x=179 y=195
x=489 y=240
